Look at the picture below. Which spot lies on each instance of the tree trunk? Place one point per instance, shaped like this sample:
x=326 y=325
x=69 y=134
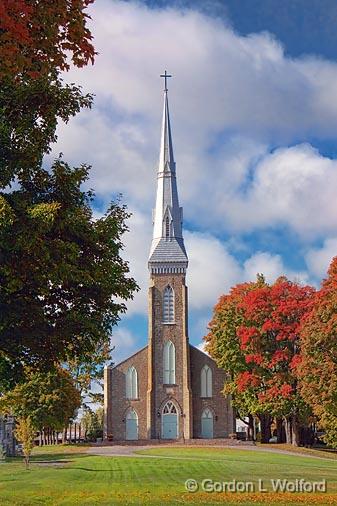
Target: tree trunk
x=288 y=430
x=296 y=431
x=250 y=428
x=280 y=430
x=265 y=421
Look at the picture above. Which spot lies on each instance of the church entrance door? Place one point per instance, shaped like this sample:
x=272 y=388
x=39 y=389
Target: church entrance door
x=169 y=421
x=131 y=425
x=207 y=424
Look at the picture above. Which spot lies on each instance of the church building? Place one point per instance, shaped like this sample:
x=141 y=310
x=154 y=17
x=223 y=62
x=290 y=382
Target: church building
x=168 y=390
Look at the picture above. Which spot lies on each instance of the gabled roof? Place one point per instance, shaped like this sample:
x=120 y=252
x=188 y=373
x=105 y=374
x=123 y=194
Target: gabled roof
x=129 y=358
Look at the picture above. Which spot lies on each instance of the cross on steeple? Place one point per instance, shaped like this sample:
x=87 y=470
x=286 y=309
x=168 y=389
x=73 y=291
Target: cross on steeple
x=165 y=76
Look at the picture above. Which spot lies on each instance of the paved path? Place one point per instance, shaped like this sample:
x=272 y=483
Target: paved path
x=116 y=451
x=130 y=451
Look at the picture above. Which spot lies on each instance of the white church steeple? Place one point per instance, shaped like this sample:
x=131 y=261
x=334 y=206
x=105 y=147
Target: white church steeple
x=167 y=253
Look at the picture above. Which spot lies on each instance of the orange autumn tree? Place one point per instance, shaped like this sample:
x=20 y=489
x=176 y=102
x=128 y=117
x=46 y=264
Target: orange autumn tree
x=36 y=36
x=264 y=342
x=223 y=344
x=318 y=366
x=270 y=340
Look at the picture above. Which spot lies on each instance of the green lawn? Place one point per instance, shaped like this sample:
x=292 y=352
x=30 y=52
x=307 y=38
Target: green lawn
x=74 y=478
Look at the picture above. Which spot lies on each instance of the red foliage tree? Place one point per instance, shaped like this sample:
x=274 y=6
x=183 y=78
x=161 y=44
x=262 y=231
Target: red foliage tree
x=223 y=344
x=36 y=36
x=255 y=336
x=317 y=368
x=270 y=341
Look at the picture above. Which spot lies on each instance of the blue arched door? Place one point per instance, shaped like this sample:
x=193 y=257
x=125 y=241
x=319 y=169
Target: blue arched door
x=169 y=421
x=207 y=424
x=131 y=423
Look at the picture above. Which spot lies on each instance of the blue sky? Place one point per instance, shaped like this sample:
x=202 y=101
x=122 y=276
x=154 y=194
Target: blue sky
x=254 y=116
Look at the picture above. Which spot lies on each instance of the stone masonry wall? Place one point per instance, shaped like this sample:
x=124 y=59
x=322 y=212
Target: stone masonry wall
x=118 y=404
x=153 y=393
x=218 y=403
x=159 y=334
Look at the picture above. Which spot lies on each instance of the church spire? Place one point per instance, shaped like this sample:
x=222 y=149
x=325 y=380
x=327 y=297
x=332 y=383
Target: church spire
x=166 y=158
x=167 y=250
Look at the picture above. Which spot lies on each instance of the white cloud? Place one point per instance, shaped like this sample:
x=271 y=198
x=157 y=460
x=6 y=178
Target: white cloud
x=212 y=270
x=222 y=77
x=137 y=246
x=125 y=344
x=319 y=259
x=272 y=267
x=292 y=186
x=231 y=97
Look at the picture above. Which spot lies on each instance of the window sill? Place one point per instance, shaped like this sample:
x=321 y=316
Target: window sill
x=203 y=397
x=129 y=399
x=170 y=385
x=169 y=323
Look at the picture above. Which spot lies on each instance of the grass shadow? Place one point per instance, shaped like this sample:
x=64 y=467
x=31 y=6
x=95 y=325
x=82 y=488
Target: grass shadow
x=57 y=457
x=48 y=458
x=88 y=469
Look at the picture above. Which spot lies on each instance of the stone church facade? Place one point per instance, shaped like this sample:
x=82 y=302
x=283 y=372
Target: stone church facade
x=168 y=390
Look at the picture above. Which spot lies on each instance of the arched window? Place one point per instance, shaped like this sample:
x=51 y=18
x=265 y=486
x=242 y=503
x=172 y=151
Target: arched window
x=131 y=383
x=207 y=413
x=206 y=381
x=168 y=305
x=169 y=363
x=131 y=415
x=169 y=409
